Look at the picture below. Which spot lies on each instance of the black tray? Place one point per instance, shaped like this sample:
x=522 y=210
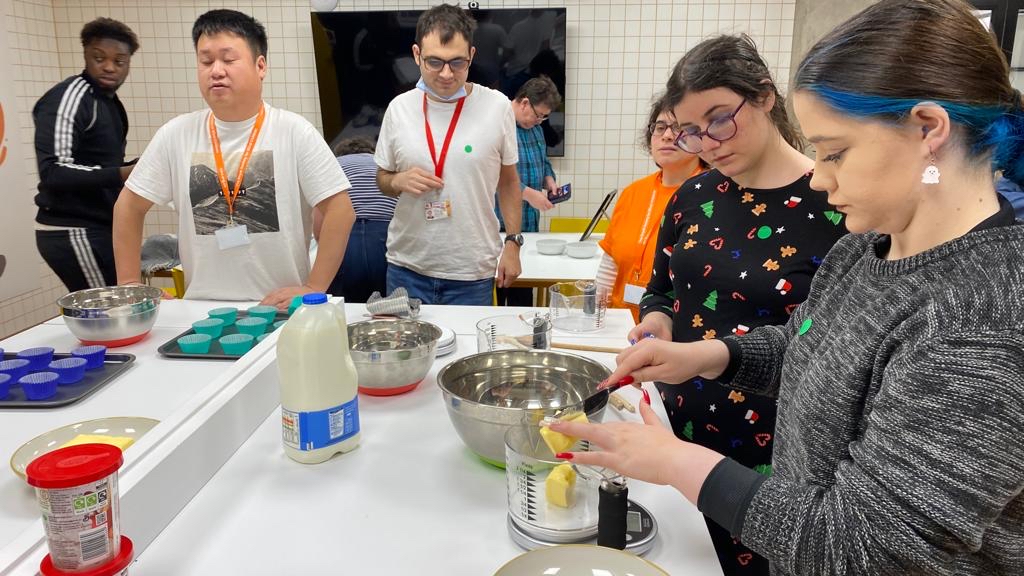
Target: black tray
x=94 y=379
x=171 y=349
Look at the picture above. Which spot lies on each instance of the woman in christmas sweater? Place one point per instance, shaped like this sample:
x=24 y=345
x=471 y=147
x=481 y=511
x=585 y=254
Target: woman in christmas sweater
x=737 y=248
x=901 y=378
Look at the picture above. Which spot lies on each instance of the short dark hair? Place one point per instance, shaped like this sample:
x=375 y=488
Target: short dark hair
x=446 y=20
x=354 y=146
x=731 y=62
x=658 y=105
x=234 y=22
x=540 y=90
x=108 y=28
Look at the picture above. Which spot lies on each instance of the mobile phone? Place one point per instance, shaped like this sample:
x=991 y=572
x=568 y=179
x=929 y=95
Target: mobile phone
x=563 y=193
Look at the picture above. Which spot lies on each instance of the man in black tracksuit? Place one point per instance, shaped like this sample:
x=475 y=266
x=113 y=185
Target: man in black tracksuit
x=81 y=131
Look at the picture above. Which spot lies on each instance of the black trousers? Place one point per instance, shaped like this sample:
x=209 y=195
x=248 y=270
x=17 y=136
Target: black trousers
x=82 y=258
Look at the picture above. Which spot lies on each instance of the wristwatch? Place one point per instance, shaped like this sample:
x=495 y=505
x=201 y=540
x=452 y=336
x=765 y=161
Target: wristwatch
x=517 y=238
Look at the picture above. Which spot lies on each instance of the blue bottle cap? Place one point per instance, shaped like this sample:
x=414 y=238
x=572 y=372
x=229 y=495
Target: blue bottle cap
x=314 y=298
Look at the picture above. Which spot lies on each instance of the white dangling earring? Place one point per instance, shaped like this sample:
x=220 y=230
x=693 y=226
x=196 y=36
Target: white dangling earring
x=931 y=173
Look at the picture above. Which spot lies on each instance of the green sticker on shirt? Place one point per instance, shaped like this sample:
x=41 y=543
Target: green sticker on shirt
x=468 y=148
x=805 y=326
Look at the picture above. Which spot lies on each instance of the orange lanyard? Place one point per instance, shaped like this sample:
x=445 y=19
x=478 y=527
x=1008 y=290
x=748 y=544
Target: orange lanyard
x=439 y=164
x=222 y=173
x=645 y=234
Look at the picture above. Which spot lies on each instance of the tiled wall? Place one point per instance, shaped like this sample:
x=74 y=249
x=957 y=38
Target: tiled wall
x=619 y=53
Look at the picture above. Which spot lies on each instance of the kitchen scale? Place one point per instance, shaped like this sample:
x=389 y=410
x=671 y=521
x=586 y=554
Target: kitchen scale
x=641 y=529
x=599 y=509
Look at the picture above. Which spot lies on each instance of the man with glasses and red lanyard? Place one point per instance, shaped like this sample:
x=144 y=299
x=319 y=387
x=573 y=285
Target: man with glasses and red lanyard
x=244 y=178
x=443 y=149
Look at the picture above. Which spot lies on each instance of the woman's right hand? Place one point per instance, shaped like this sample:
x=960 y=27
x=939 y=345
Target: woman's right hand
x=654 y=325
x=652 y=360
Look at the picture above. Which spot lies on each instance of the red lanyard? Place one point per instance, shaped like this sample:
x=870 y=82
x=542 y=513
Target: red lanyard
x=439 y=164
x=222 y=174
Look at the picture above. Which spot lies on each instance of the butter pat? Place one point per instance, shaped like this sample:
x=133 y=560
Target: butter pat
x=560 y=487
x=122 y=442
x=557 y=441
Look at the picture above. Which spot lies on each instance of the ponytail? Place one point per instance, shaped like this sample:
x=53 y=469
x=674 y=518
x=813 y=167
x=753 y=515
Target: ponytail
x=1005 y=137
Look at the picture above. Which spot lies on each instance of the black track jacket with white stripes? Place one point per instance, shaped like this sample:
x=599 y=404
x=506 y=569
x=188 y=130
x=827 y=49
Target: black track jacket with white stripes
x=81 y=132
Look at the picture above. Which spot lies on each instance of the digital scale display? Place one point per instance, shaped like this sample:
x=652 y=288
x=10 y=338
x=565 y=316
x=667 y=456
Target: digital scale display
x=632 y=521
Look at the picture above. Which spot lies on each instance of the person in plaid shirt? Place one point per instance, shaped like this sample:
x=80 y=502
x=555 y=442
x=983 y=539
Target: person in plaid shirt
x=532 y=105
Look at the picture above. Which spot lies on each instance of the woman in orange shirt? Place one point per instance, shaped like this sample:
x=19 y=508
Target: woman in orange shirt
x=630 y=242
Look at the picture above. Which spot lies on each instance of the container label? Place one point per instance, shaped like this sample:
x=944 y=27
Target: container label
x=314 y=430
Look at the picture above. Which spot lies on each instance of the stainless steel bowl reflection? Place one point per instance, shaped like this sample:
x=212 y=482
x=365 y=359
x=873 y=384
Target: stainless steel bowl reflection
x=113 y=315
x=392 y=356
x=490 y=392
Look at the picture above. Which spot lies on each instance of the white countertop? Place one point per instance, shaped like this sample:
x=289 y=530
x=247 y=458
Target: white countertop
x=410 y=499
x=542 y=268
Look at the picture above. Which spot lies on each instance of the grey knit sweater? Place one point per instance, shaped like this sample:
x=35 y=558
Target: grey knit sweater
x=899 y=446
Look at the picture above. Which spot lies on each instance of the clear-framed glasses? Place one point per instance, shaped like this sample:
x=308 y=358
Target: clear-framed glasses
x=659 y=127
x=540 y=117
x=720 y=129
x=437 y=64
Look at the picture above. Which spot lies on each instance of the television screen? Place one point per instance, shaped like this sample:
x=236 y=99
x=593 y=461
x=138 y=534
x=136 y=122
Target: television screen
x=364 y=59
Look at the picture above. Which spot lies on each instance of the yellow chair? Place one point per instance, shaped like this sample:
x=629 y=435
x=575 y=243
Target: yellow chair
x=563 y=224
x=177 y=275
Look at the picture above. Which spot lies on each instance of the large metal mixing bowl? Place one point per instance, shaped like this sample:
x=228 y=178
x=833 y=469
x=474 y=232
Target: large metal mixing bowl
x=111 y=316
x=392 y=356
x=489 y=392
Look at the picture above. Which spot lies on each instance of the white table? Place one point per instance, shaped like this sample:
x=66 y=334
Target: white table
x=211 y=491
x=543 y=270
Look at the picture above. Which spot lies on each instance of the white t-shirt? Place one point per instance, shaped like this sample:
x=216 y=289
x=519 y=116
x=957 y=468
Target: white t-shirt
x=291 y=170
x=467 y=245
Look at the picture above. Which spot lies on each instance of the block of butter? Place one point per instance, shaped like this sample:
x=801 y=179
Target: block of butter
x=122 y=442
x=560 y=487
x=557 y=441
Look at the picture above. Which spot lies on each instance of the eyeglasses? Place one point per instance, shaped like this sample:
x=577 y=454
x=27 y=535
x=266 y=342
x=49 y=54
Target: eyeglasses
x=540 y=117
x=437 y=64
x=659 y=127
x=719 y=130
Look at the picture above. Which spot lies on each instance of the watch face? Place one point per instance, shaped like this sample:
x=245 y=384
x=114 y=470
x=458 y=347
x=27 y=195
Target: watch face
x=517 y=238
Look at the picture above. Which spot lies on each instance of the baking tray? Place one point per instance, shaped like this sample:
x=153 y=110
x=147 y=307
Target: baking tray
x=94 y=379
x=171 y=349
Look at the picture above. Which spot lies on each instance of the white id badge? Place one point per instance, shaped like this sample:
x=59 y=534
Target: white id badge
x=633 y=293
x=232 y=237
x=438 y=210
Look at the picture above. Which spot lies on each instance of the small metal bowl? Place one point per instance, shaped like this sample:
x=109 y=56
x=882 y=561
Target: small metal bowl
x=488 y=393
x=392 y=356
x=112 y=316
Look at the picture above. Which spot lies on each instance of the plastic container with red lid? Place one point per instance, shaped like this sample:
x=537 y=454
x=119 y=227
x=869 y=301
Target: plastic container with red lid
x=76 y=488
x=116 y=567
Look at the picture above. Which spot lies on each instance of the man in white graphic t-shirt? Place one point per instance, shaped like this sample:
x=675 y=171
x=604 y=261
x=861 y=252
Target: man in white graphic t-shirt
x=443 y=149
x=244 y=178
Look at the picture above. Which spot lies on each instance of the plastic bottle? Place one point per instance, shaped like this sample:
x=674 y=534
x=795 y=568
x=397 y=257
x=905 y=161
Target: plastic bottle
x=319 y=384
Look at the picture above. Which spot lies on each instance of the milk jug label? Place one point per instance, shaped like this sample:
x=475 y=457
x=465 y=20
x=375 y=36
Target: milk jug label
x=314 y=430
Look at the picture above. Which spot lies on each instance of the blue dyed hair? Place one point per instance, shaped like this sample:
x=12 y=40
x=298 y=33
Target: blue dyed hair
x=990 y=130
x=939 y=52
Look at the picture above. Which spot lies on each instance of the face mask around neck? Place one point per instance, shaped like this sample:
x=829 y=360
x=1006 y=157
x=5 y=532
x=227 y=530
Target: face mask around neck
x=461 y=92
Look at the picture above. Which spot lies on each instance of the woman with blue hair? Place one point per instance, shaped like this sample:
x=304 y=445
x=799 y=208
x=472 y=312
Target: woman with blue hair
x=900 y=380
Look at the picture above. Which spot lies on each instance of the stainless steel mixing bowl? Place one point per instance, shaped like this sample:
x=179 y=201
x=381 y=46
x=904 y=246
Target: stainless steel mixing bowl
x=489 y=392
x=113 y=315
x=392 y=356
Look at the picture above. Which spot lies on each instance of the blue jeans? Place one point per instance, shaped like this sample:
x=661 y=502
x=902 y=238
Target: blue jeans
x=440 y=291
x=364 y=269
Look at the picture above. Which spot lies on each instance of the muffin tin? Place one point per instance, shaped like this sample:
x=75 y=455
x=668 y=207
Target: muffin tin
x=94 y=379
x=172 y=349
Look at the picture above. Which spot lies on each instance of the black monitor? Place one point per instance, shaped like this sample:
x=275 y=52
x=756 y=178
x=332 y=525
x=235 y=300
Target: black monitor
x=364 y=59
x=599 y=214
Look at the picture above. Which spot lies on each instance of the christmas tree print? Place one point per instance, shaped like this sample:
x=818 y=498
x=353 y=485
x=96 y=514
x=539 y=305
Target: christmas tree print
x=765 y=469
x=688 y=430
x=711 y=302
x=834 y=217
x=708 y=208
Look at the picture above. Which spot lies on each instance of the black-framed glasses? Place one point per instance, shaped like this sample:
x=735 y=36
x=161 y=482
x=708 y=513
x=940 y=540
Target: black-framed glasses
x=659 y=128
x=719 y=130
x=540 y=117
x=437 y=64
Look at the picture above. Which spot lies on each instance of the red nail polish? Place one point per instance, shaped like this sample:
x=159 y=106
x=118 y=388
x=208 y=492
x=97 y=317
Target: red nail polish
x=564 y=455
x=627 y=380
x=647 y=397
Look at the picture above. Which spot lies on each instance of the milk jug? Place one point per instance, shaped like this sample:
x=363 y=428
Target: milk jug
x=319 y=400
